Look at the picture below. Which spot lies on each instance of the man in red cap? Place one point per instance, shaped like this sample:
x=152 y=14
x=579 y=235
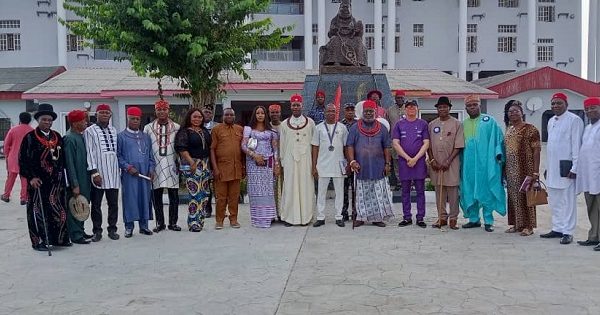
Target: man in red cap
x=317 y=112
x=368 y=148
x=162 y=134
x=564 y=140
x=103 y=167
x=136 y=161
x=12 y=144
x=298 y=193
x=588 y=170
x=77 y=176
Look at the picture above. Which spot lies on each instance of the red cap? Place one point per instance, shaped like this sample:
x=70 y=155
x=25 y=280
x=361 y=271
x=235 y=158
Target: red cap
x=368 y=104
x=400 y=93
x=161 y=104
x=134 y=111
x=562 y=96
x=591 y=101
x=296 y=98
x=76 y=115
x=376 y=92
x=274 y=107
x=103 y=107
x=320 y=93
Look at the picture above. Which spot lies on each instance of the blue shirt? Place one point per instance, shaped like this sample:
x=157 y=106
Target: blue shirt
x=368 y=151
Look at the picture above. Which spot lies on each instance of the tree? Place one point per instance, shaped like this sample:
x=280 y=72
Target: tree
x=189 y=40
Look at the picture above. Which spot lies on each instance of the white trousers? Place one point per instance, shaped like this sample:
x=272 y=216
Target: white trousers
x=563 y=203
x=338 y=185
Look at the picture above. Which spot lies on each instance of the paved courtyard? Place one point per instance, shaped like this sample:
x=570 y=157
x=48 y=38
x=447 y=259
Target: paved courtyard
x=300 y=270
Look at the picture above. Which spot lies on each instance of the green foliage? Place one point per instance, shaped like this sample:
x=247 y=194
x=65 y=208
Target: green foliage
x=190 y=40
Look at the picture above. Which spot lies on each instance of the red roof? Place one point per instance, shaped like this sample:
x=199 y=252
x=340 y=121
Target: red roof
x=545 y=78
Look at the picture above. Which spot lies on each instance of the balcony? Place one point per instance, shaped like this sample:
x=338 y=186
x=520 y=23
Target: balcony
x=285 y=8
x=278 y=55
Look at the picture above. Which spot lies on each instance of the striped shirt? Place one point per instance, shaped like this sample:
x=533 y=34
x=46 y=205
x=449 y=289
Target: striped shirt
x=101 y=146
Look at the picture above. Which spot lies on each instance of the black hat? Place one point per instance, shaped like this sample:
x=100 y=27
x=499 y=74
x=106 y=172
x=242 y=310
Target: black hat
x=443 y=100
x=45 y=109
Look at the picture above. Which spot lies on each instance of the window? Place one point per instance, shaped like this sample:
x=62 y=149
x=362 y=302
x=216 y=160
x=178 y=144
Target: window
x=370 y=42
x=472 y=44
x=315 y=28
x=508 y=3
x=545 y=49
x=471 y=28
x=369 y=28
x=315 y=40
x=398 y=2
x=546 y=1
x=507 y=44
x=418 y=28
x=10 y=42
x=74 y=42
x=507 y=28
x=372 y=1
x=546 y=13
x=10 y=24
x=473 y=3
x=383 y=43
x=397 y=27
x=336 y=1
x=418 y=40
x=397 y=44
x=4 y=127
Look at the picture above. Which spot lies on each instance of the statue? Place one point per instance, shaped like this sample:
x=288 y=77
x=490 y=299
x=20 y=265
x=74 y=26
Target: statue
x=345 y=46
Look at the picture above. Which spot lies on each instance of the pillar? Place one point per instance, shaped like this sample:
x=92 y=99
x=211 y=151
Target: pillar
x=391 y=35
x=377 y=20
x=308 y=50
x=531 y=33
x=462 y=40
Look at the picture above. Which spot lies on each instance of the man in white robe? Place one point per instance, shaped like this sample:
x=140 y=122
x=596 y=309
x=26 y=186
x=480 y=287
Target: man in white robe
x=297 y=199
x=588 y=170
x=564 y=140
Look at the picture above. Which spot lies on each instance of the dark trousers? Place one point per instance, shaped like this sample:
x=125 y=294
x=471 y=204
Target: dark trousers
x=348 y=183
x=112 y=198
x=208 y=206
x=157 y=195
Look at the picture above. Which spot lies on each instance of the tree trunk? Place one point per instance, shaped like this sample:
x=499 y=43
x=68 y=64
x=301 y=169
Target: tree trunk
x=202 y=98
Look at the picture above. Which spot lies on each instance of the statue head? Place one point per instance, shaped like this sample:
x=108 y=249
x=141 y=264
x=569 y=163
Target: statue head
x=345 y=9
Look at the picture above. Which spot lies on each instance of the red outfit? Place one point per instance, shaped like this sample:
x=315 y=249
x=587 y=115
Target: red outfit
x=12 y=145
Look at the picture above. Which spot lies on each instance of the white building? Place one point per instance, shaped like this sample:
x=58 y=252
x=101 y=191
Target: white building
x=470 y=38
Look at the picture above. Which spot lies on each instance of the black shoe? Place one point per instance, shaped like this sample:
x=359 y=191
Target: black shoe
x=552 y=234
x=113 y=236
x=588 y=243
x=5 y=199
x=340 y=223
x=87 y=236
x=471 y=225
x=40 y=248
x=196 y=228
x=145 y=232
x=489 y=228
x=23 y=202
x=208 y=215
x=566 y=239
x=159 y=228
x=379 y=224
x=68 y=244
x=174 y=227
x=82 y=241
x=345 y=216
x=405 y=223
x=597 y=248
x=97 y=237
x=287 y=224
x=319 y=223
x=128 y=233
x=357 y=223
x=421 y=224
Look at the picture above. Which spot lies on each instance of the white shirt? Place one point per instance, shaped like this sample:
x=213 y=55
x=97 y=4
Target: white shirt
x=588 y=165
x=564 y=141
x=328 y=162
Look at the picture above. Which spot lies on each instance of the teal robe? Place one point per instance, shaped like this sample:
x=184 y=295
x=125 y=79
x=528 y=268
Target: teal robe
x=481 y=172
x=77 y=176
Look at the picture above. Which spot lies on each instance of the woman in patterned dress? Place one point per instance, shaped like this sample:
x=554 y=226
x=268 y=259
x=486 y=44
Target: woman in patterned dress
x=523 y=147
x=261 y=164
x=192 y=142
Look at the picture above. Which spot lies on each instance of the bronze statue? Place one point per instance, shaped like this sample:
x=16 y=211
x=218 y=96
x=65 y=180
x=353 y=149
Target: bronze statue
x=345 y=46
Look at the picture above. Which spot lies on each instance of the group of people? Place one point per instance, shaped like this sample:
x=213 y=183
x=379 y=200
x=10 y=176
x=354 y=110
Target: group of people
x=285 y=161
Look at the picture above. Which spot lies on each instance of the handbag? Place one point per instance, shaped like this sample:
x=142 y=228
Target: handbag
x=537 y=195
x=252 y=142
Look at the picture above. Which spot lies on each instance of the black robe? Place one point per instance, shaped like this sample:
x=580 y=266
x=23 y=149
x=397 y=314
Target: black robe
x=35 y=160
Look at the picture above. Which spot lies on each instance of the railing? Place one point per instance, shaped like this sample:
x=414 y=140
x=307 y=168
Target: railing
x=277 y=55
x=285 y=8
x=105 y=54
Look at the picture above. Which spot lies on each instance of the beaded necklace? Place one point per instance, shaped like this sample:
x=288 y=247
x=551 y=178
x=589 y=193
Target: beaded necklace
x=50 y=144
x=371 y=132
x=289 y=124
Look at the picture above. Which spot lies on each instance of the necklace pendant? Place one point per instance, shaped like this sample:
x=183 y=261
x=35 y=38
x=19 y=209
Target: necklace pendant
x=331 y=148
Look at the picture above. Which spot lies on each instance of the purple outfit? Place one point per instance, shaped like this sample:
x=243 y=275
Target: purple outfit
x=411 y=135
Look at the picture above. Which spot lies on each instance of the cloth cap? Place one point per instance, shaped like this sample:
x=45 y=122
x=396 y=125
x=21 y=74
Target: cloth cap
x=103 y=107
x=161 y=104
x=400 y=93
x=320 y=93
x=134 y=111
x=274 y=107
x=348 y=105
x=591 y=101
x=559 y=95
x=368 y=104
x=76 y=115
x=443 y=100
x=472 y=99
x=412 y=102
x=296 y=98
x=374 y=92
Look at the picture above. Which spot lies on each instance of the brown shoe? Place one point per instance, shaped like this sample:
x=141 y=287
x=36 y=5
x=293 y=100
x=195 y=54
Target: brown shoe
x=218 y=226
x=439 y=223
x=453 y=224
x=235 y=225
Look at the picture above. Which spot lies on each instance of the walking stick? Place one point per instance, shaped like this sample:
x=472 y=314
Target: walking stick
x=44 y=221
x=353 y=199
